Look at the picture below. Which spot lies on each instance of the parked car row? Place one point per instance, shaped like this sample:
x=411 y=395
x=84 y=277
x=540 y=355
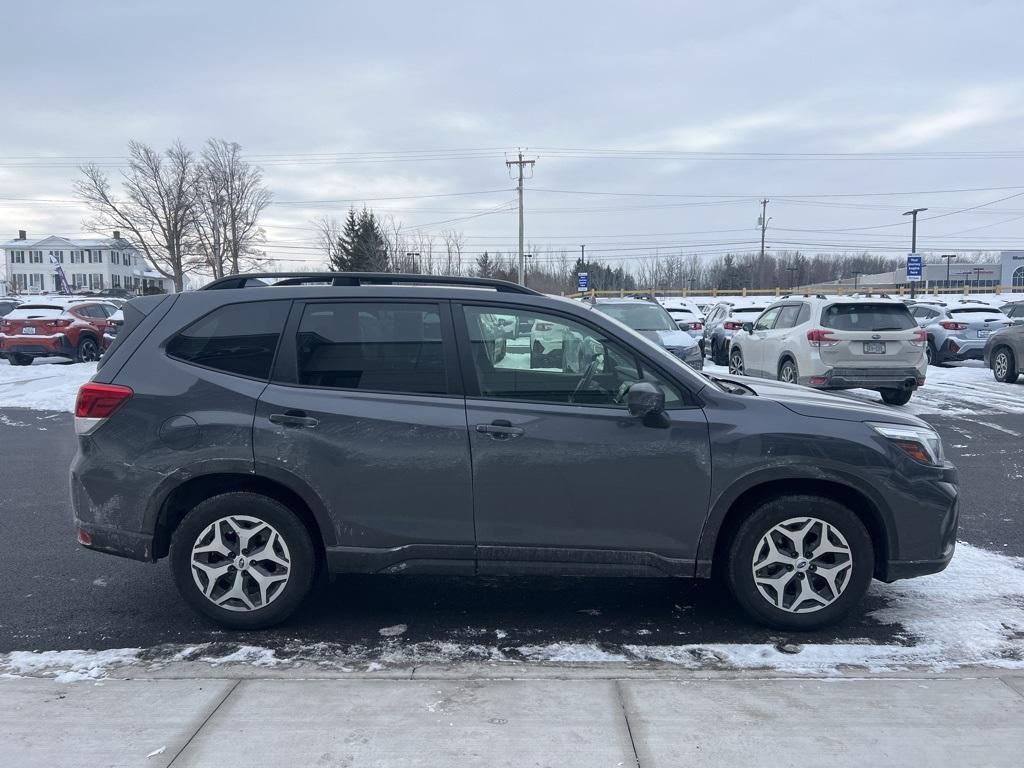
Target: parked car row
x=80 y=329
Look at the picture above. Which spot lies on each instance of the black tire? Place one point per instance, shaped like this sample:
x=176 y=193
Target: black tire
x=1004 y=365
x=718 y=354
x=736 y=362
x=292 y=531
x=896 y=396
x=88 y=350
x=16 y=358
x=788 y=368
x=932 y=353
x=748 y=538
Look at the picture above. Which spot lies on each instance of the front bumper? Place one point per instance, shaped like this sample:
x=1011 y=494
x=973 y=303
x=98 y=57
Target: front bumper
x=692 y=356
x=865 y=378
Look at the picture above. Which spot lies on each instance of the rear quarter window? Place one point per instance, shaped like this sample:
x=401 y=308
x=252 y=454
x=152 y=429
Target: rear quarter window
x=867 y=317
x=237 y=338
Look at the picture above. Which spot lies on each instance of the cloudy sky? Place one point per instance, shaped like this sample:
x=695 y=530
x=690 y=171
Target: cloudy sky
x=656 y=127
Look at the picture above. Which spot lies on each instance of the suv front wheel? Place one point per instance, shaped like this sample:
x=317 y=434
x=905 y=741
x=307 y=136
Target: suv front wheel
x=242 y=559
x=800 y=562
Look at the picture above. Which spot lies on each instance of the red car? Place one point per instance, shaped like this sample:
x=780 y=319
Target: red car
x=54 y=328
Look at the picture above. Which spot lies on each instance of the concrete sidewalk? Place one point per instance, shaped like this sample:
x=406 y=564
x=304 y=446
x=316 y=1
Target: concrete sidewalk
x=965 y=718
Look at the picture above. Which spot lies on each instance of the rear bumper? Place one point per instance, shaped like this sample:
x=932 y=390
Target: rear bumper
x=134 y=546
x=866 y=378
x=963 y=349
x=36 y=346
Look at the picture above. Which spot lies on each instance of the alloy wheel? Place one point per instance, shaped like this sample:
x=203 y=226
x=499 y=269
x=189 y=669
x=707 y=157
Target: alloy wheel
x=1001 y=365
x=802 y=565
x=788 y=373
x=240 y=563
x=736 y=363
x=88 y=351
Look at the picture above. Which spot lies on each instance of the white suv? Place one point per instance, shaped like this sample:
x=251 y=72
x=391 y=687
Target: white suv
x=835 y=343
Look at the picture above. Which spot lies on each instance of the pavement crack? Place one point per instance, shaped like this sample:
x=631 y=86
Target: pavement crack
x=202 y=725
x=625 y=716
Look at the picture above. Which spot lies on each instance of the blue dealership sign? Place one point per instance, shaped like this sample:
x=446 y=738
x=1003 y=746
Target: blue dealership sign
x=913 y=268
x=582 y=281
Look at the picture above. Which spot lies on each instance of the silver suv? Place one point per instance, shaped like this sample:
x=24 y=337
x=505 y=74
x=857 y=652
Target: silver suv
x=958 y=331
x=722 y=322
x=835 y=343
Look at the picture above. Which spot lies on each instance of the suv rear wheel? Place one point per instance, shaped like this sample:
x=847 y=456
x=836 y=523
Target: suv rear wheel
x=788 y=372
x=800 y=562
x=16 y=358
x=1004 y=366
x=88 y=350
x=242 y=559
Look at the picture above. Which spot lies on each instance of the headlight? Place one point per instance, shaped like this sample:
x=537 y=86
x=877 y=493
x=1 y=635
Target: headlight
x=920 y=443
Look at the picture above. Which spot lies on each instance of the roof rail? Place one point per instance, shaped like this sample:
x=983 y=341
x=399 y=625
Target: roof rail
x=355 y=279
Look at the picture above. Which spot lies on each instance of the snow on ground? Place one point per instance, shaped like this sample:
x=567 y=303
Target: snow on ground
x=49 y=384
x=961 y=389
x=971 y=614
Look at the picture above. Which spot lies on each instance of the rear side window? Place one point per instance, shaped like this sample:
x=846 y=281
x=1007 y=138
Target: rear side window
x=867 y=317
x=375 y=347
x=237 y=338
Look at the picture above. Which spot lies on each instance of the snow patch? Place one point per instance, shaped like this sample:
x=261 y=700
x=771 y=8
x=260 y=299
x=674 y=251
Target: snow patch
x=393 y=631
x=43 y=386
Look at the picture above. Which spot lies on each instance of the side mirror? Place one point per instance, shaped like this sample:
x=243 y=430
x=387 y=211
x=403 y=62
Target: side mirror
x=748 y=327
x=645 y=399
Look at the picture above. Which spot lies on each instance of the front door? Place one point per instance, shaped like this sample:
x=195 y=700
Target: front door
x=564 y=479
x=366 y=413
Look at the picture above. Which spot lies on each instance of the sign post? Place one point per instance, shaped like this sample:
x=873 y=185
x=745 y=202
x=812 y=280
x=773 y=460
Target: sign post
x=582 y=281
x=914 y=272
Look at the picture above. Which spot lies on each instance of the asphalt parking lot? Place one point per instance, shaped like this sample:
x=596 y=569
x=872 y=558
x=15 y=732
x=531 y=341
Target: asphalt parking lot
x=60 y=596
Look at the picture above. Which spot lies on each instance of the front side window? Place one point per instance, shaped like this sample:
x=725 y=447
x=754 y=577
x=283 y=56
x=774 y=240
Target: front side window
x=237 y=338
x=536 y=357
x=788 y=316
x=767 y=321
x=372 y=346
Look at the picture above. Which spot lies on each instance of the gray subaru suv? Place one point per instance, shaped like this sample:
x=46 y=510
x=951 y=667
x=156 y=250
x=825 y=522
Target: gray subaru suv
x=255 y=434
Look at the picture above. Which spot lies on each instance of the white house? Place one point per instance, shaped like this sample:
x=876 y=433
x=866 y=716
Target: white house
x=31 y=266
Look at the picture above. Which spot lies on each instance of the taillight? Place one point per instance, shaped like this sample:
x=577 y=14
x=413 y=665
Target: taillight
x=60 y=323
x=696 y=326
x=97 y=402
x=6 y=325
x=920 y=338
x=821 y=337
x=732 y=325
x=952 y=325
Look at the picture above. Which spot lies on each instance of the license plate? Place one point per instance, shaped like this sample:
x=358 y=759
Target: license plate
x=983 y=334
x=28 y=330
x=874 y=347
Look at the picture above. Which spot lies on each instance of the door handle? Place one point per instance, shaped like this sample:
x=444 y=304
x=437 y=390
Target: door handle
x=293 y=419
x=500 y=429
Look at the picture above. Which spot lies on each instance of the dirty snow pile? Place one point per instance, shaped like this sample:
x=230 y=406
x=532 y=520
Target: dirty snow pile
x=971 y=614
x=44 y=385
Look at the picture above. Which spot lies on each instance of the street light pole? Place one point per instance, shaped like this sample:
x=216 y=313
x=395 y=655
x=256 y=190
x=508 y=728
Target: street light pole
x=913 y=244
x=415 y=255
x=948 y=257
x=855 y=276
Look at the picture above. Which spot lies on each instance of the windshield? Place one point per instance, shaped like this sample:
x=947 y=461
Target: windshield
x=640 y=317
x=868 y=317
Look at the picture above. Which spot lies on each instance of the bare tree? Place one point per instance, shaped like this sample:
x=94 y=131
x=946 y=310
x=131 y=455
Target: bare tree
x=231 y=196
x=156 y=211
x=329 y=239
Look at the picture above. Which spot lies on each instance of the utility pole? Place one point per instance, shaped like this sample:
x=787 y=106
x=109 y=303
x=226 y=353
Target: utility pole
x=583 y=254
x=855 y=276
x=763 y=221
x=520 y=164
x=913 y=244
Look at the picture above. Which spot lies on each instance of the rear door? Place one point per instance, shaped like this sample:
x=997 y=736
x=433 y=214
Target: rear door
x=365 y=410
x=870 y=335
x=562 y=473
x=754 y=345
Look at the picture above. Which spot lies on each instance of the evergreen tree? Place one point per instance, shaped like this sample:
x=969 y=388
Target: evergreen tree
x=485 y=267
x=341 y=257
